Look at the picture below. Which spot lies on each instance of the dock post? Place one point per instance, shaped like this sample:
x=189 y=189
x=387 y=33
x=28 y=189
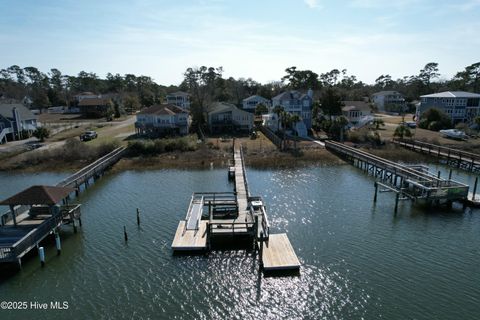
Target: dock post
x=376 y=190
x=41 y=254
x=74 y=225
x=439 y=173
x=19 y=261
x=475 y=188
x=138 y=216
x=58 y=244
x=450 y=175
x=396 y=202
x=79 y=221
x=261 y=249
x=125 y=235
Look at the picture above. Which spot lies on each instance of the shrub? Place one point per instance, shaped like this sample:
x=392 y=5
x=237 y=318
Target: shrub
x=41 y=133
x=158 y=146
x=435 y=119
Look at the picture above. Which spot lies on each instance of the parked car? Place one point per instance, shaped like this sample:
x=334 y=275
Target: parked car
x=88 y=135
x=33 y=146
x=410 y=124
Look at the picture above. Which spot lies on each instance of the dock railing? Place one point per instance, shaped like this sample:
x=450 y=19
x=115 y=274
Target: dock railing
x=94 y=167
x=276 y=140
x=437 y=150
x=265 y=224
x=426 y=179
x=23 y=245
x=86 y=172
x=244 y=171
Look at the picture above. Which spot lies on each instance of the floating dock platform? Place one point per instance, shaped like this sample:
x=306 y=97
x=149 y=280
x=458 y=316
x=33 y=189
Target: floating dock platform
x=278 y=254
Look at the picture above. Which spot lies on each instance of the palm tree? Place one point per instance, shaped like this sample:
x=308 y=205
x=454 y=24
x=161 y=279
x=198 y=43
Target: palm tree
x=294 y=119
x=285 y=117
x=278 y=110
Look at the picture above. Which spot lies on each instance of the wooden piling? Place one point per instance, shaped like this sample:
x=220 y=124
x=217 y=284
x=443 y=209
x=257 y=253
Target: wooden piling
x=261 y=249
x=376 y=190
x=138 y=216
x=41 y=254
x=396 y=202
x=475 y=188
x=58 y=244
x=125 y=235
x=450 y=175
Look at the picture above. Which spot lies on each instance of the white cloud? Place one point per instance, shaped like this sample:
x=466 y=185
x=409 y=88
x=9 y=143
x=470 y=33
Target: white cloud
x=370 y=4
x=313 y=4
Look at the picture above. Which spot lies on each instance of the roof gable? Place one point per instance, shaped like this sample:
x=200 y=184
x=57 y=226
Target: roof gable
x=6 y=110
x=38 y=195
x=452 y=94
x=163 y=109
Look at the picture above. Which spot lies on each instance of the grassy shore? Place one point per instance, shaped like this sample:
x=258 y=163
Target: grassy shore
x=205 y=157
x=186 y=153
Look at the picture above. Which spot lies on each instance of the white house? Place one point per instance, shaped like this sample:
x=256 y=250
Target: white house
x=294 y=102
x=355 y=111
x=389 y=101
x=461 y=106
x=15 y=119
x=180 y=99
x=162 y=119
x=226 y=117
x=251 y=103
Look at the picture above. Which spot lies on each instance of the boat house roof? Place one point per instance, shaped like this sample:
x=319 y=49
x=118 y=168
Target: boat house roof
x=39 y=195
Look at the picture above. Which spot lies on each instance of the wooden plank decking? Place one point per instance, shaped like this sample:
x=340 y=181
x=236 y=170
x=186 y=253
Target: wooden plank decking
x=279 y=254
x=190 y=240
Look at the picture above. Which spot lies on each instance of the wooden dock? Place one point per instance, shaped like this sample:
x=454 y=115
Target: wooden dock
x=415 y=183
x=457 y=158
x=33 y=216
x=190 y=239
x=278 y=254
x=234 y=216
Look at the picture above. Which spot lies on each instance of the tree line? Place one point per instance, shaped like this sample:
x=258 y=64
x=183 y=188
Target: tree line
x=207 y=84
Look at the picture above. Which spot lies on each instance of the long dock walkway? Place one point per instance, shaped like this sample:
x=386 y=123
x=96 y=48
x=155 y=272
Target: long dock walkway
x=234 y=216
x=36 y=212
x=457 y=158
x=412 y=182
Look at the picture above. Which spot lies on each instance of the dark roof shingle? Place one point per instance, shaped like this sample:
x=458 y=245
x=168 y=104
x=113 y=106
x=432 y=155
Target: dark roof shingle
x=163 y=109
x=39 y=195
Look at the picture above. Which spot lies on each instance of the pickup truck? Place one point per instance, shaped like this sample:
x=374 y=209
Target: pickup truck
x=88 y=135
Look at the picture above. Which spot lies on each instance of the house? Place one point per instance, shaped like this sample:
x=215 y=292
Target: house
x=271 y=121
x=94 y=107
x=162 y=119
x=461 y=106
x=251 y=103
x=295 y=102
x=180 y=99
x=15 y=119
x=226 y=117
x=389 y=101
x=356 y=111
x=85 y=95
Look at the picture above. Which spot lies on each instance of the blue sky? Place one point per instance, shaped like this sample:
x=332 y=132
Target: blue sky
x=257 y=39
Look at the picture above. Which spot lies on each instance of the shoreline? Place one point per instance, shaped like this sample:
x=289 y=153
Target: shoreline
x=204 y=158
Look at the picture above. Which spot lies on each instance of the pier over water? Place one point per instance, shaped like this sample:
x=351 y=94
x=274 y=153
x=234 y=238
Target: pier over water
x=408 y=182
x=237 y=218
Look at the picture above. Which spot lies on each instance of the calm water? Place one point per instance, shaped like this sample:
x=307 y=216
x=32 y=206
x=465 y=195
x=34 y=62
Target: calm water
x=358 y=260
